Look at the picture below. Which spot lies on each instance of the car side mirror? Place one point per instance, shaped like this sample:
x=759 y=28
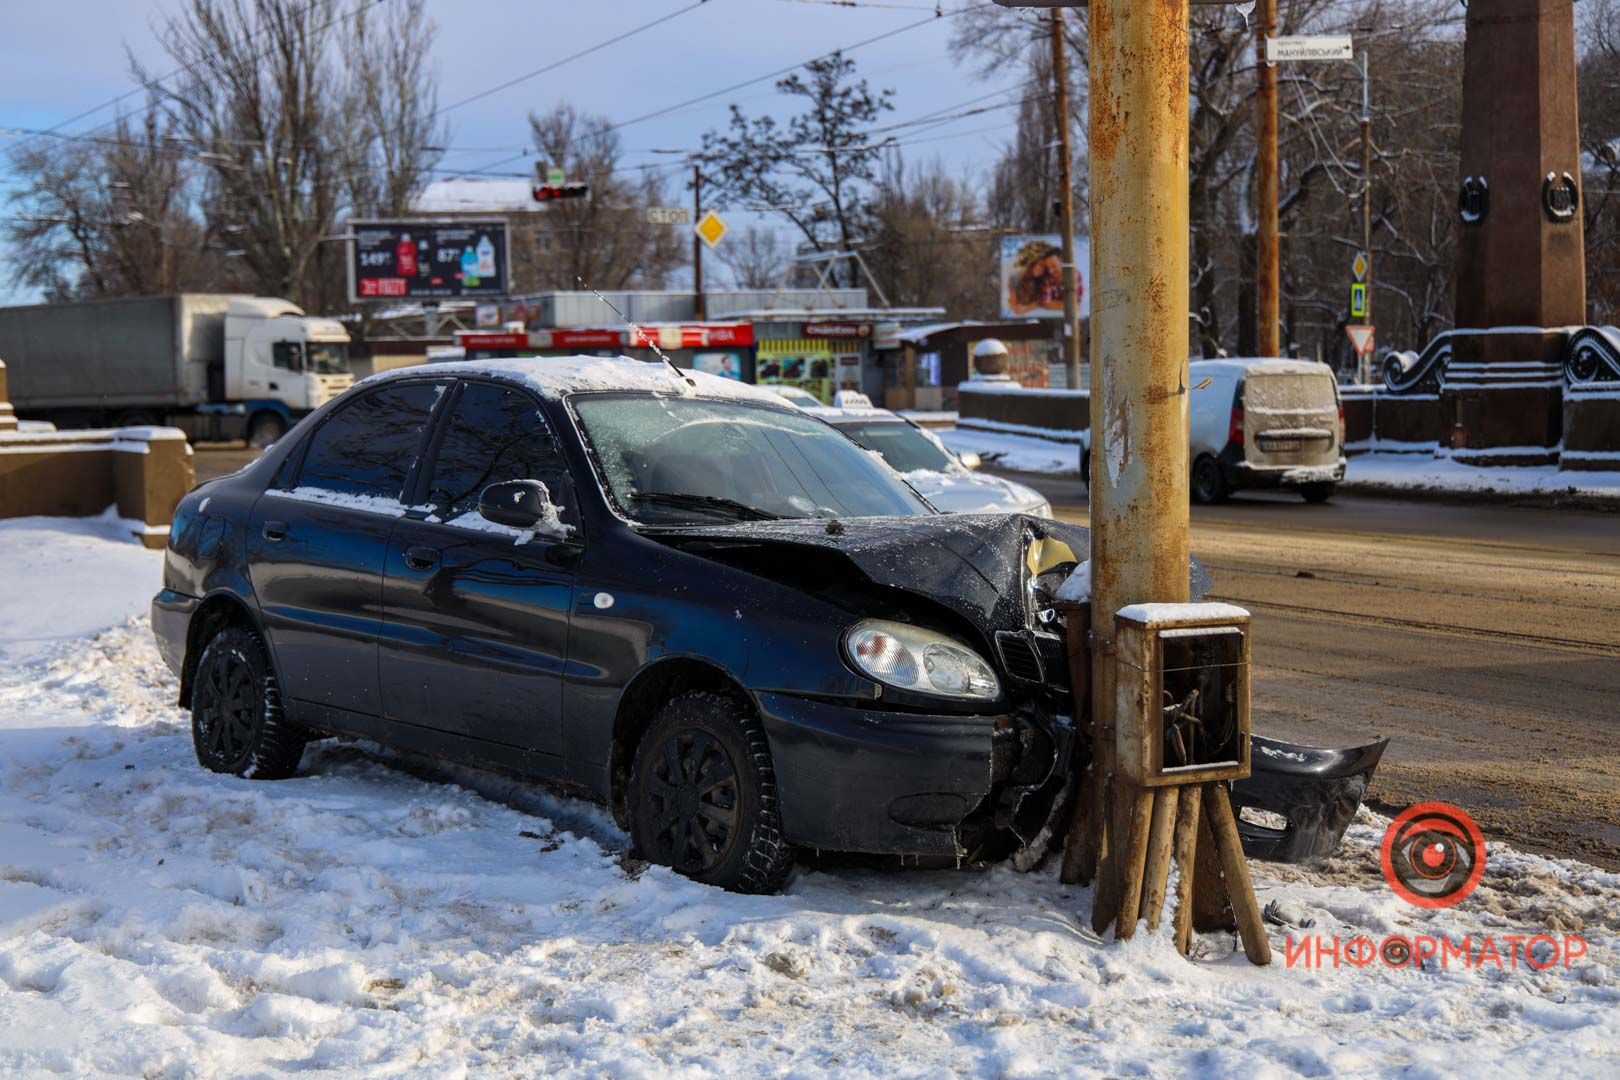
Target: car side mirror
x=969 y=460
x=520 y=504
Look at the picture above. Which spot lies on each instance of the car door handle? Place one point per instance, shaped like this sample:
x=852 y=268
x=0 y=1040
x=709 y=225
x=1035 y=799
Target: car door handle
x=274 y=531
x=421 y=558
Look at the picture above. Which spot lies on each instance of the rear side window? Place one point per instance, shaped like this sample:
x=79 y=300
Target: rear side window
x=369 y=447
x=495 y=434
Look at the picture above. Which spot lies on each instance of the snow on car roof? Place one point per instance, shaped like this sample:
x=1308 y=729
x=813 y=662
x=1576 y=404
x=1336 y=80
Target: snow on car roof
x=830 y=414
x=557 y=377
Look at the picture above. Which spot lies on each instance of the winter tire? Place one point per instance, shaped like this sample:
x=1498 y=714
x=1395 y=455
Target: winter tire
x=264 y=429
x=703 y=796
x=1208 y=482
x=1316 y=493
x=237 y=725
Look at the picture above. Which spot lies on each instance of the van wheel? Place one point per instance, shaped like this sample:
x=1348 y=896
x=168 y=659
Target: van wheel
x=237 y=725
x=1316 y=493
x=1208 y=482
x=264 y=429
x=703 y=796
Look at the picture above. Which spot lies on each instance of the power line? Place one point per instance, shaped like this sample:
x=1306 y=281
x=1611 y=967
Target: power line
x=555 y=64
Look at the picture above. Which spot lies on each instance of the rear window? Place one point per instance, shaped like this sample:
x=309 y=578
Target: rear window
x=1290 y=390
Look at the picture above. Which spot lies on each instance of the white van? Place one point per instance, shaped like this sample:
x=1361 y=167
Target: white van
x=1261 y=424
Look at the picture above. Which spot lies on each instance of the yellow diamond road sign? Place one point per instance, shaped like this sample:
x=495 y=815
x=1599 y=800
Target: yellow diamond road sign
x=711 y=229
x=1359 y=267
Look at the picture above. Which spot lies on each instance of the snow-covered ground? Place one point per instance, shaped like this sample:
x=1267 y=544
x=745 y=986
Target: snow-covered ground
x=379 y=916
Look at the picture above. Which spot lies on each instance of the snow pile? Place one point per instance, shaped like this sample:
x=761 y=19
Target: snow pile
x=1423 y=472
x=380 y=915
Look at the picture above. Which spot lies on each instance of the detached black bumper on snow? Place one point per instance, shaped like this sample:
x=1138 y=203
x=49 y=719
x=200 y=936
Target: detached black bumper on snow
x=1298 y=800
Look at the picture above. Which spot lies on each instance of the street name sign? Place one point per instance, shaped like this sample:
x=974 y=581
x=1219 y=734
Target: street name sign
x=668 y=215
x=1312 y=47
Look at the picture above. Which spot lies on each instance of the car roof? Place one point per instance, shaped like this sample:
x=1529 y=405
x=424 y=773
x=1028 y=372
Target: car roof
x=558 y=377
x=833 y=415
x=1240 y=365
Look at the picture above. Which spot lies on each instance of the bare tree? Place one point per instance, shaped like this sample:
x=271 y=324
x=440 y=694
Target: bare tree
x=928 y=243
x=817 y=169
x=757 y=257
x=396 y=99
x=604 y=240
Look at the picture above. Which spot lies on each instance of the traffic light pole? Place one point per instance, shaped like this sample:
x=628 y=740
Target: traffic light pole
x=1364 y=359
x=699 y=309
x=1268 y=284
x=1071 y=308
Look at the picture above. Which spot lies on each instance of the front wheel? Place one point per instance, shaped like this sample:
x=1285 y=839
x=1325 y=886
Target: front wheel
x=703 y=796
x=236 y=722
x=1316 y=493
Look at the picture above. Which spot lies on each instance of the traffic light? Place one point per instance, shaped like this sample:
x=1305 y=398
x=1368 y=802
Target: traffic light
x=548 y=192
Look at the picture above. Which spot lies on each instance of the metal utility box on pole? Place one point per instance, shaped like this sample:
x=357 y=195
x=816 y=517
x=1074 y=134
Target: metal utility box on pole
x=1071 y=307
x=1268 y=273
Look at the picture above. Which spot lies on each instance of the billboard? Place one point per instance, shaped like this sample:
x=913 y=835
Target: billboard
x=435 y=260
x=1031 y=276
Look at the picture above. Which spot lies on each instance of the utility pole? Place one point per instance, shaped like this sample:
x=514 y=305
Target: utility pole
x=699 y=312
x=1364 y=360
x=1268 y=285
x=1139 y=378
x=1071 y=309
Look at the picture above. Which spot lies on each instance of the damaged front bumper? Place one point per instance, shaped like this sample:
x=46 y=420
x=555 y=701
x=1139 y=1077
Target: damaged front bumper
x=1298 y=800
x=883 y=782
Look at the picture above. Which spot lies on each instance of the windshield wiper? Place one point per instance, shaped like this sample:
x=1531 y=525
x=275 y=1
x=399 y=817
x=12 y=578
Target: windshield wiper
x=705 y=502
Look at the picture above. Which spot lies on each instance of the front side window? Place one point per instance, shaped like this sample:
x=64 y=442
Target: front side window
x=669 y=460
x=369 y=446
x=288 y=355
x=904 y=447
x=494 y=434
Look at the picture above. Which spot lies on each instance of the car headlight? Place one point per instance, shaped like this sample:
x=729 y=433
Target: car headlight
x=910 y=658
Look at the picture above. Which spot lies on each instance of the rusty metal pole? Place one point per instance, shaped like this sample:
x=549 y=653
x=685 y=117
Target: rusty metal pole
x=1071 y=309
x=1139 y=341
x=1268 y=277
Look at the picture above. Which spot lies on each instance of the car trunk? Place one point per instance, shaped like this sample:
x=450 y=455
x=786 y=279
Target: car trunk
x=1290 y=418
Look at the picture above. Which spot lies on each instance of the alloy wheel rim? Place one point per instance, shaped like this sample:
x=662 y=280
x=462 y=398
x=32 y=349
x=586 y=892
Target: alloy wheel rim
x=694 y=802
x=228 y=710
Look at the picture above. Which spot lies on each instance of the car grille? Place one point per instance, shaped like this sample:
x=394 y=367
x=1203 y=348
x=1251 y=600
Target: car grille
x=1018 y=656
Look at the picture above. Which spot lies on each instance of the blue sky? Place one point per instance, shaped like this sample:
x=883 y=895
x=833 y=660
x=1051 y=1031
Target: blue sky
x=60 y=59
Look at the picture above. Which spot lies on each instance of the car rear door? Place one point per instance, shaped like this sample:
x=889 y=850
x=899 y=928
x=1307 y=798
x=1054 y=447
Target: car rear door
x=475 y=628
x=319 y=538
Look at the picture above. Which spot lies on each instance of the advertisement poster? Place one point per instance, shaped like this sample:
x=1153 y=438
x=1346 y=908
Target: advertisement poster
x=727 y=365
x=1032 y=277
x=405 y=260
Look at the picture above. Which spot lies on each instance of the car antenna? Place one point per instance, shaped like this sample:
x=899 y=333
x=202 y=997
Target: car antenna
x=634 y=329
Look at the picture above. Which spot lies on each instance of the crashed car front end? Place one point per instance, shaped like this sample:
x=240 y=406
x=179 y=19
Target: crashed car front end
x=911 y=775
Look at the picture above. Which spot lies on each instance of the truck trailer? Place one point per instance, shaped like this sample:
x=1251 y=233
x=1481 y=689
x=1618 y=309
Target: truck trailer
x=215 y=365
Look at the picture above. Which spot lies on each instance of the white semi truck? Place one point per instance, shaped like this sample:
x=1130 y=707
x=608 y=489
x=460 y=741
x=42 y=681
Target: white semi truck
x=216 y=366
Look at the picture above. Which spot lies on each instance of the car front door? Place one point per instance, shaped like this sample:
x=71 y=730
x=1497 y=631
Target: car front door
x=318 y=542
x=475 y=630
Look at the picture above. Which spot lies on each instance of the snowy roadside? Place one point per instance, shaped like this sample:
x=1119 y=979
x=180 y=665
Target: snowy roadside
x=1376 y=472
x=372 y=916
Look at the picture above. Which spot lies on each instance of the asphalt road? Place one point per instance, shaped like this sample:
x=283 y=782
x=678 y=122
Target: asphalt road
x=1484 y=639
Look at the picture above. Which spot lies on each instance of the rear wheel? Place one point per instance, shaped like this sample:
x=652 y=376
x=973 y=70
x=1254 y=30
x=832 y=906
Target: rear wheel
x=264 y=429
x=236 y=722
x=703 y=796
x=1208 y=482
x=1316 y=493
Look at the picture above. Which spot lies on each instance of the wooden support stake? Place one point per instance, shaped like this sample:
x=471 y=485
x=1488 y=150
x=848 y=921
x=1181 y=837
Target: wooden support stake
x=1239 y=889
x=1132 y=863
x=1212 y=911
x=1157 y=875
x=1085 y=832
x=1188 y=800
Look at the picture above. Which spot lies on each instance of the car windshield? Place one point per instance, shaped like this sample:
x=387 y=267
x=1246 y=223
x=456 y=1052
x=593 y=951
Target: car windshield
x=326 y=358
x=904 y=447
x=671 y=460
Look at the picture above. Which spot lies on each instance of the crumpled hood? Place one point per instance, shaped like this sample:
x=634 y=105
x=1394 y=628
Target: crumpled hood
x=970 y=563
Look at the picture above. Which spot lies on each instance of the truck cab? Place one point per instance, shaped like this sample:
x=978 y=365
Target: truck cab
x=277 y=355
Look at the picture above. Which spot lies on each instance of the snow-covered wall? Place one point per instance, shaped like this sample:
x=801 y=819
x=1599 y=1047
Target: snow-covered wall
x=1060 y=415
